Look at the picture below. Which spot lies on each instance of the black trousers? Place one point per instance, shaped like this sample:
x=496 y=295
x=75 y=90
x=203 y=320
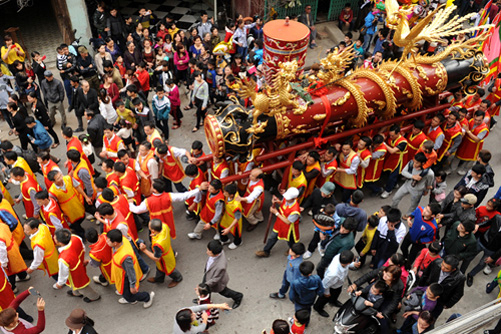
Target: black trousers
x=414 y=251
x=314 y=242
x=237 y=239
x=232 y=294
x=12 y=278
x=140 y=296
x=200 y=113
x=323 y=300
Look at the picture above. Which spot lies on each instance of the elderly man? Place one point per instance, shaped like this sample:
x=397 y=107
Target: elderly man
x=53 y=93
x=252 y=202
x=86 y=100
x=307 y=19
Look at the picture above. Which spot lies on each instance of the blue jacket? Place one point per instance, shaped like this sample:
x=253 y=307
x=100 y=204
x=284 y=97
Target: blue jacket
x=161 y=108
x=422 y=232
x=345 y=210
x=42 y=138
x=292 y=270
x=305 y=289
x=371 y=28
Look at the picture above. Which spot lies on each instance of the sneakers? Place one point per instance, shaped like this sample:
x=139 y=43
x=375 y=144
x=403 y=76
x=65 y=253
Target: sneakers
x=27 y=278
x=149 y=302
x=276 y=295
x=233 y=246
x=385 y=194
x=194 y=236
x=491 y=286
x=321 y=251
x=124 y=301
x=487 y=270
x=145 y=275
x=307 y=255
x=310 y=213
x=225 y=242
x=262 y=253
x=217 y=237
x=461 y=172
x=98 y=281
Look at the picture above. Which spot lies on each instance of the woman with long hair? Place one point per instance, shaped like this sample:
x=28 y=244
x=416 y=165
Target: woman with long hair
x=106 y=107
x=111 y=88
x=112 y=48
x=181 y=59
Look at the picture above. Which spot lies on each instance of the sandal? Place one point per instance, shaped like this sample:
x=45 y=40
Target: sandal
x=175 y=127
x=11 y=132
x=194 y=130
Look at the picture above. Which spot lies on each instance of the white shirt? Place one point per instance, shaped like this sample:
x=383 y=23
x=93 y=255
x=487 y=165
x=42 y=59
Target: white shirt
x=335 y=274
x=354 y=165
x=152 y=166
x=383 y=230
x=38 y=254
x=175 y=197
x=4 y=259
x=255 y=193
x=210 y=261
x=108 y=112
x=64 y=270
x=121 y=227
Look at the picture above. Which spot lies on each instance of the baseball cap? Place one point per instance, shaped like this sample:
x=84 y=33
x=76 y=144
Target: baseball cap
x=328 y=188
x=469 y=199
x=291 y=194
x=47 y=73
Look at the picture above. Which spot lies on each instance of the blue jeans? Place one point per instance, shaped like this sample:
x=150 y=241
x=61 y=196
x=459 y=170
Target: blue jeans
x=285 y=285
x=481 y=263
x=142 y=264
x=392 y=180
x=242 y=50
x=367 y=42
x=68 y=89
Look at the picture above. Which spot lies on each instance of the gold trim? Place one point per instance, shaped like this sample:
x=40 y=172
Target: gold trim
x=416 y=100
x=363 y=110
x=441 y=72
x=386 y=109
x=214 y=135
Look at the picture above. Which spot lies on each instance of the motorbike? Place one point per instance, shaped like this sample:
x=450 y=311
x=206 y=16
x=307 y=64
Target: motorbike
x=355 y=317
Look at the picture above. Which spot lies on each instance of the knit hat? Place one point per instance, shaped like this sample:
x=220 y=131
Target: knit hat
x=76 y=319
x=291 y=193
x=469 y=199
x=328 y=188
x=47 y=73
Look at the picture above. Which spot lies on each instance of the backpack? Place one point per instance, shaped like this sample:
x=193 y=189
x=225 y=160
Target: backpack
x=31 y=158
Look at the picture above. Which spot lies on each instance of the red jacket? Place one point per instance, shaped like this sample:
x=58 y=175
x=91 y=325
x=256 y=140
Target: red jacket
x=144 y=80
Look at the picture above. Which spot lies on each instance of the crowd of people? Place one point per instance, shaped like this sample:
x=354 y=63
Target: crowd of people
x=119 y=173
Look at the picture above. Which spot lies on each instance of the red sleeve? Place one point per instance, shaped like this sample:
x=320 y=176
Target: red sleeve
x=19 y=299
x=420 y=258
x=116 y=93
x=39 y=328
x=351 y=16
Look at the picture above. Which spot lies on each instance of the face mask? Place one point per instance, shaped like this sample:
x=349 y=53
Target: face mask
x=15 y=182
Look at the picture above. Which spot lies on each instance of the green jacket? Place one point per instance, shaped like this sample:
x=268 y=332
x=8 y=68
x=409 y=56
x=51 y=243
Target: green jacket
x=463 y=247
x=339 y=244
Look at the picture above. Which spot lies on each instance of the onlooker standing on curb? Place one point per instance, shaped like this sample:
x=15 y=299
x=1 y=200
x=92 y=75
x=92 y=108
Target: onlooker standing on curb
x=307 y=19
x=53 y=94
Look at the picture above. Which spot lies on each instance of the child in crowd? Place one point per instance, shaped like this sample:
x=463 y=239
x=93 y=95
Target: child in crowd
x=425 y=257
x=291 y=273
x=204 y=297
x=439 y=188
x=420 y=299
x=298 y=322
x=363 y=245
x=398 y=260
x=87 y=147
x=322 y=229
x=125 y=133
x=231 y=222
x=306 y=288
x=175 y=104
x=374 y=295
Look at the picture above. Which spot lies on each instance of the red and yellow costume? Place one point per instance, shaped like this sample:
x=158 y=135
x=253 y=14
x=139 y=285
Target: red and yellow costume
x=27 y=185
x=119 y=219
x=230 y=209
x=68 y=200
x=247 y=207
x=395 y=160
x=145 y=183
x=113 y=182
x=468 y=150
x=6 y=194
x=121 y=204
x=298 y=183
x=75 y=144
x=172 y=168
x=121 y=253
x=495 y=97
x=112 y=145
x=73 y=255
x=6 y=293
x=167 y=262
x=312 y=182
x=130 y=183
x=209 y=208
x=414 y=142
x=43 y=240
x=50 y=210
x=102 y=253
x=283 y=229
x=18 y=232
x=434 y=134
x=364 y=156
x=217 y=169
x=16 y=263
x=470 y=103
x=345 y=180
x=74 y=173
x=449 y=135
x=20 y=162
x=155 y=136
x=194 y=184
x=46 y=169
x=332 y=165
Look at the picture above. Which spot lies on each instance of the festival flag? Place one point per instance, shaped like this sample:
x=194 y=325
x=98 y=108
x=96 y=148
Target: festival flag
x=483 y=19
x=492 y=49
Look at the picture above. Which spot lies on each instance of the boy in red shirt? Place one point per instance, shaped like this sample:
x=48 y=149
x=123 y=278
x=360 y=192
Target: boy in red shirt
x=143 y=76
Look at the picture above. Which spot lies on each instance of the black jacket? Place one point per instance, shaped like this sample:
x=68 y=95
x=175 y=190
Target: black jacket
x=88 y=101
x=453 y=284
x=491 y=239
x=87 y=329
x=316 y=201
x=39 y=70
x=116 y=25
x=393 y=294
x=41 y=114
x=95 y=129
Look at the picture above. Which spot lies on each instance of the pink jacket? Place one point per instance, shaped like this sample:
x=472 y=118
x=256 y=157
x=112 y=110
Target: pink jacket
x=174 y=96
x=185 y=59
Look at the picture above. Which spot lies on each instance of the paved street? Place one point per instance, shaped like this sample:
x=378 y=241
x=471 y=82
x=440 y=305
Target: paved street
x=254 y=277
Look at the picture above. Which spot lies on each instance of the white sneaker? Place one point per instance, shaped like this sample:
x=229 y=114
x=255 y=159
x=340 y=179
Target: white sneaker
x=321 y=251
x=385 y=194
x=16 y=290
x=217 y=236
x=124 y=301
x=461 y=172
x=27 y=278
x=98 y=281
x=310 y=213
x=149 y=302
x=307 y=255
x=117 y=293
x=194 y=236
x=233 y=246
x=487 y=270
x=145 y=275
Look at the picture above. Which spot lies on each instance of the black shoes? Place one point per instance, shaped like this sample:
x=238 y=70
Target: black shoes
x=322 y=313
x=469 y=280
x=337 y=303
x=237 y=302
